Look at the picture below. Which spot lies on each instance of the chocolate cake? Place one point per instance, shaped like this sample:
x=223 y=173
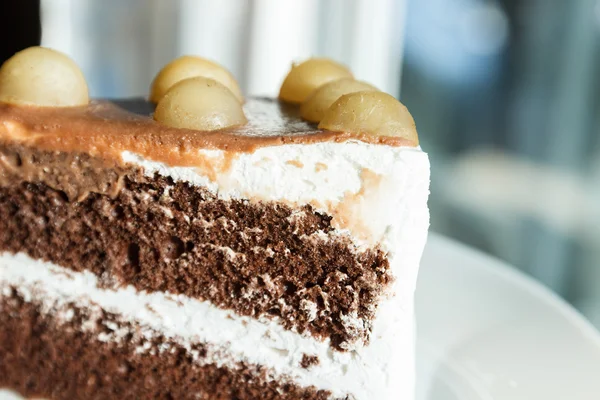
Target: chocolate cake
x=199 y=245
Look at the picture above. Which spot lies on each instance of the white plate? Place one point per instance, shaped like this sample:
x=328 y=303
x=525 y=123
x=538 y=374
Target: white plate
x=487 y=332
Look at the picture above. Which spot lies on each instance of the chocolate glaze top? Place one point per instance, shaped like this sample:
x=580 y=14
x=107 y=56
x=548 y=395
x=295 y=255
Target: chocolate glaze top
x=107 y=128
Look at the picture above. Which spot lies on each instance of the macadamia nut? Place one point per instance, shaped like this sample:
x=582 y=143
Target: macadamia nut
x=305 y=77
x=372 y=113
x=199 y=103
x=322 y=98
x=189 y=67
x=38 y=76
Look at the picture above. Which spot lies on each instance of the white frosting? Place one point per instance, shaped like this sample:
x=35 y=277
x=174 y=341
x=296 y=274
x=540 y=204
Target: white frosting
x=381 y=193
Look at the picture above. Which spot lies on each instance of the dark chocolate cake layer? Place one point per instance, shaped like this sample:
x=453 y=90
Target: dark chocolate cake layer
x=257 y=258
x=57 y=359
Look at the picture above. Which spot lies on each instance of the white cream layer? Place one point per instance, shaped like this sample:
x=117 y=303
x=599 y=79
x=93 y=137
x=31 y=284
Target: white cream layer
x=359 y=184
x=367 y=373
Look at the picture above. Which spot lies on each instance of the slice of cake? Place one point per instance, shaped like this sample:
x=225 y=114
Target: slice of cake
x=207 y=247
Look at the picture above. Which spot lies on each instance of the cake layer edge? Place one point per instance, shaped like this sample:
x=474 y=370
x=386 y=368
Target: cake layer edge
x=370 y=372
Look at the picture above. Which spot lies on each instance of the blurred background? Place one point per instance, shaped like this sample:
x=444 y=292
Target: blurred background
x=505 y=94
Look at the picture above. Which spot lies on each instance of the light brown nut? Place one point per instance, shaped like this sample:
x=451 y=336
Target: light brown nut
x=371 y=113
x=188 y=67
x=322 y=98
x=305 y=77
x=199 y=103
x=43 y=77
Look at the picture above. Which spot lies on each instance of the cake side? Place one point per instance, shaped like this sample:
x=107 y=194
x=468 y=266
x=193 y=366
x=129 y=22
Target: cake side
x=42 y=210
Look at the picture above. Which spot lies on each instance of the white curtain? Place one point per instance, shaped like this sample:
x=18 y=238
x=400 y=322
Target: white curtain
x=121 y=44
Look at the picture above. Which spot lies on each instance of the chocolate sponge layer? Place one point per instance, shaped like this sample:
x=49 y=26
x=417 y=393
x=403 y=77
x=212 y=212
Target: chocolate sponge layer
x=255 y=258
x=41 y=356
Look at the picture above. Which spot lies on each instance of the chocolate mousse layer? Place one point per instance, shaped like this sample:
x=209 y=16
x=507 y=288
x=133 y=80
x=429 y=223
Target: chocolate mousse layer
x=259 y=259
x=53 y=357
x=107 y=129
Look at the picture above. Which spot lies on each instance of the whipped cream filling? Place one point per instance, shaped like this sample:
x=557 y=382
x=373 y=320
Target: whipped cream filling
x=383 y=370
x=357 y=183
